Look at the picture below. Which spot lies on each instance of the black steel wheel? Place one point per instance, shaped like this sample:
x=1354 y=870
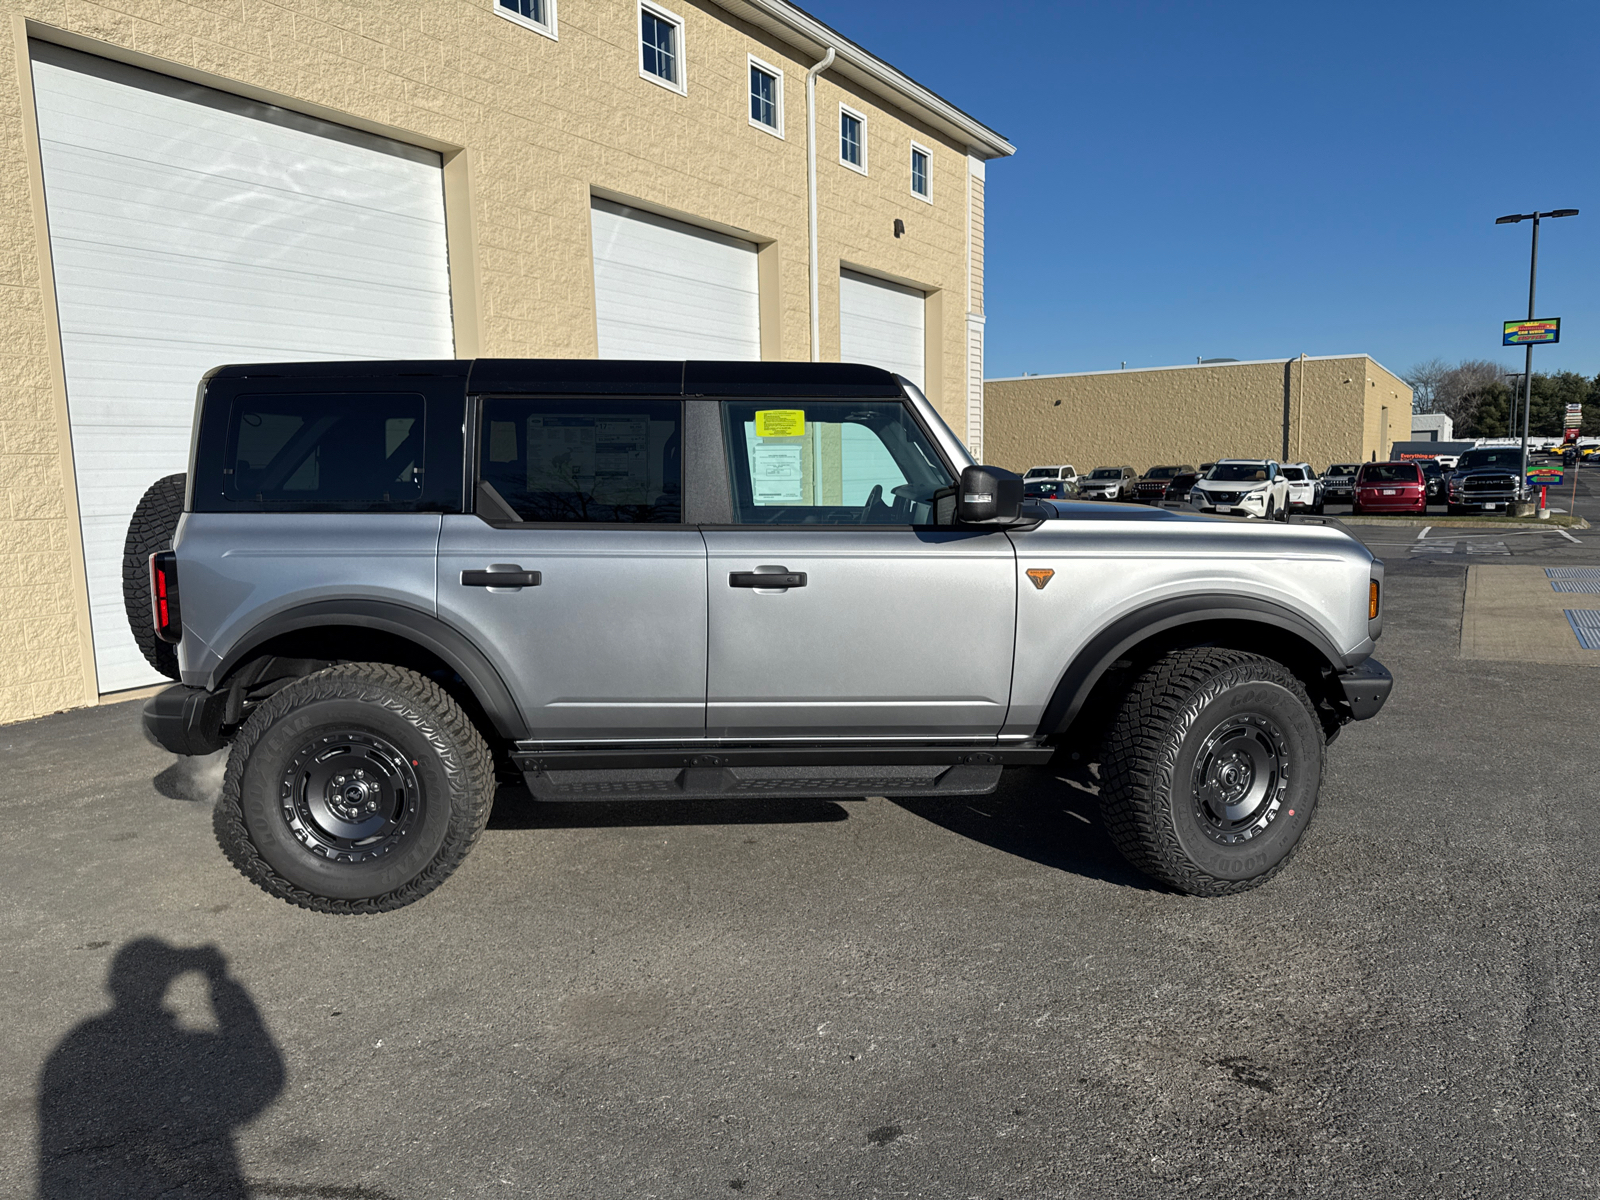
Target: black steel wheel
x=355 y=790
x=1211 y=770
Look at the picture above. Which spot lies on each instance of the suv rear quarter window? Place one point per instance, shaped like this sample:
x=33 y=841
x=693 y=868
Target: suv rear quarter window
x=319 y=452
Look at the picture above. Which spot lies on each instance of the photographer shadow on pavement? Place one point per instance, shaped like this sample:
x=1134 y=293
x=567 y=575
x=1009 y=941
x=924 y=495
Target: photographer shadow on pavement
x=132 y=1104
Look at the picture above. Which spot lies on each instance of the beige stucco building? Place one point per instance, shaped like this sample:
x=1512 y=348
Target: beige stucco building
x=1321 y=410
x=417 y=178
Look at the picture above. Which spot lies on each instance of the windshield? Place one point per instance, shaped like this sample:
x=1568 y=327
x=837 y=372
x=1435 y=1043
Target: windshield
x=1510 y=459
x=1162 y=472
x=1040 y=473
x=1342 y=469
x=1295 y=474
x=1389 y=473
x=1238 y=473
x=1107 y=473
x=1044 y=487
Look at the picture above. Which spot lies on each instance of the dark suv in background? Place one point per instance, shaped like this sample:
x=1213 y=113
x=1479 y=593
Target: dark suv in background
x=1484 y=480
x=1339 y=483
x=1152 y=485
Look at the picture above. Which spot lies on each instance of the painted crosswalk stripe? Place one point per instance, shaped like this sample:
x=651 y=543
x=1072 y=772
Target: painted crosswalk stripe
x=1572 y=573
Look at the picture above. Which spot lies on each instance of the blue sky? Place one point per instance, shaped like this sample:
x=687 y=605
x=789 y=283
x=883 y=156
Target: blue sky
x=1252 y=180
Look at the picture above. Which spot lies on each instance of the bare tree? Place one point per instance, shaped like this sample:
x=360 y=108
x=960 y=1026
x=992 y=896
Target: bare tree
x=1460 y=389
x=1423 y=380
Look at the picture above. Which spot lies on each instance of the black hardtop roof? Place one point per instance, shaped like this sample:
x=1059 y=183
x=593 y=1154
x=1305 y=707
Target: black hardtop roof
x=592 y=376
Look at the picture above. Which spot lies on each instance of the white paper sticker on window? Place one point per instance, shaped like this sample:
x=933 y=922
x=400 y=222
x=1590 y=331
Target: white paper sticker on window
x=776 y=474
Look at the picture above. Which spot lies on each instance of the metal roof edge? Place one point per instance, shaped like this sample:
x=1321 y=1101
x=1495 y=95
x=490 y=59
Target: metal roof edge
x=1251 y=362
x=872 y=70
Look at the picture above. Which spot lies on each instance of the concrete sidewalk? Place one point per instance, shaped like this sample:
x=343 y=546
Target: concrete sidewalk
x=1514 y=614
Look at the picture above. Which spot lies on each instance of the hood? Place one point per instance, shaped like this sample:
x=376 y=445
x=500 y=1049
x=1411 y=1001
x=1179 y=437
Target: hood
x=1163 y=530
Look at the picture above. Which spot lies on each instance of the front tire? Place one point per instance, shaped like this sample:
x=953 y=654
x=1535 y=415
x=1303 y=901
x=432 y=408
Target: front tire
x=1211 y=771
x=358 y=789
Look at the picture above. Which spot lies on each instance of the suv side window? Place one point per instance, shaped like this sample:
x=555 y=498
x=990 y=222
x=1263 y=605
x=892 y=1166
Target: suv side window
x=830 y=462
x=616 y=461
x=329 y=453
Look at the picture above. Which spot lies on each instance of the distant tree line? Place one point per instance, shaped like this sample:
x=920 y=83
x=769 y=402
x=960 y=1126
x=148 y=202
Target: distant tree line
x=1478 y=397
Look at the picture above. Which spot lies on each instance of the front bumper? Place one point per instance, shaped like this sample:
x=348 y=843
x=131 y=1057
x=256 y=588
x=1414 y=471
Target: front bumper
x=1251 y=504
x=1365 y=688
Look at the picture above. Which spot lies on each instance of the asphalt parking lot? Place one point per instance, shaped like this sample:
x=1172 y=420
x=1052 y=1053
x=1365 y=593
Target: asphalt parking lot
x=952 y=998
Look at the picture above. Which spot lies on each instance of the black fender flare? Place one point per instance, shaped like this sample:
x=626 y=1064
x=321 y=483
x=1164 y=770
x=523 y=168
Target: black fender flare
x=1113 y=642
x=422 y=629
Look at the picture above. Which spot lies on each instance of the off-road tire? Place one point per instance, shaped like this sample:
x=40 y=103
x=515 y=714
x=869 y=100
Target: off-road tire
x=155 y=520
x=1154 y=749
x=273 y=842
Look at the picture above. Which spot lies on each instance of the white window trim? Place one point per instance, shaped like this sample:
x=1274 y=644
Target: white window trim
x=839 y=137
x=919 y=148
x=549 y=30
x=777 y=74
x=682 y=85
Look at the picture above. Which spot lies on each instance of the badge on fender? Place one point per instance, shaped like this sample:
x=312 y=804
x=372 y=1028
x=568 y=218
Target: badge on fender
x=1040 y=577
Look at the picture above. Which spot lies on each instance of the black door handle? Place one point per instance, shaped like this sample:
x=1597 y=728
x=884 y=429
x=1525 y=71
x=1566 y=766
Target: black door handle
x=767 y=579
x=516 y=577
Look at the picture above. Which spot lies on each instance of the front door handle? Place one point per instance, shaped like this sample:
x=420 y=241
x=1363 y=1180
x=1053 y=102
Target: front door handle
x=767 y=579
x=501 y=575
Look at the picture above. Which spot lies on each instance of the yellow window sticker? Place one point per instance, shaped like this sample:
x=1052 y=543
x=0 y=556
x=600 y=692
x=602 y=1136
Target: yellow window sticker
x=781 y=422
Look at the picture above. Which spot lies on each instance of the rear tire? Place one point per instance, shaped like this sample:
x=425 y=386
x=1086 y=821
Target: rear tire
x=1211 y=770
x=358 y=789
x=155 y=520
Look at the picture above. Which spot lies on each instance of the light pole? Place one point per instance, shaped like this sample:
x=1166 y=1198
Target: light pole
x=1527 y=371
x=1511 y=412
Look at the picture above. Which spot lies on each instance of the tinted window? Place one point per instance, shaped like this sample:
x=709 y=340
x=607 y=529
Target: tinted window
x=1510 y=459
x=1390 y=473
x=1294 y=474
x=1237 y=473
x=584 y=460
x=830 y=463
x=1107 y=473
x=342 y=453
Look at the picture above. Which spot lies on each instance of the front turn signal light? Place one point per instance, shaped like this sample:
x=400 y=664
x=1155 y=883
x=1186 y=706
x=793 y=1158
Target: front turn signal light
x=1372 y=601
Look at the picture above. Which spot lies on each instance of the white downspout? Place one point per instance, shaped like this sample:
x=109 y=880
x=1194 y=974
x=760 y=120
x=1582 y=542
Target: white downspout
x=811 y=194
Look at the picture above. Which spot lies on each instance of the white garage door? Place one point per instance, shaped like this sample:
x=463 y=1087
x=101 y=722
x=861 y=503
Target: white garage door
x=190 y=228
x=881 y=324
x=663 y=289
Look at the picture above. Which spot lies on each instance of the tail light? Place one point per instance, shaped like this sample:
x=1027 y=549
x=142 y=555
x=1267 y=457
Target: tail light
x=164 y=613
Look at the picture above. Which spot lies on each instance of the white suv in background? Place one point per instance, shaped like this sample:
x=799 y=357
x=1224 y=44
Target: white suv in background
x=1305 y=487
x=1243 y=487
x=1067 y=472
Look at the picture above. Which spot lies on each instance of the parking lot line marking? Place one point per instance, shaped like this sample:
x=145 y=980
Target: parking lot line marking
x=1585 y=624
x=1424 y=532
x=1569 y=537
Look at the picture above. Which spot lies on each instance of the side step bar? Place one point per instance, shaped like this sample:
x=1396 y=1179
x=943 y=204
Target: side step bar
x=530 y=756
x=833 y=781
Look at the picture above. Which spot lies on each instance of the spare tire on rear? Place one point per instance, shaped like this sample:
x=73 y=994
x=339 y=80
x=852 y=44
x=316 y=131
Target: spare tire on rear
x=154 y=522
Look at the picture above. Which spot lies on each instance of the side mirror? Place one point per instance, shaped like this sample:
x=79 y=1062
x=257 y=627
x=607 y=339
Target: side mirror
x=989 y=496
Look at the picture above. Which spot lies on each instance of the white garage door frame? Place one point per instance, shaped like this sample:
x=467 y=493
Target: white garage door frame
x=669 y=289
x=188 y=227
x=883 y=324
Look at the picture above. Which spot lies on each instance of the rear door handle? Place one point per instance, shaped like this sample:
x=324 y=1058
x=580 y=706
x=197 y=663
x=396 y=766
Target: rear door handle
x=510 y=576
x=767 y=579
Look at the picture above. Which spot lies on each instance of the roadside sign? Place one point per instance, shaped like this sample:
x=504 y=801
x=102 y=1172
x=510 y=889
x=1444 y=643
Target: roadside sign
x=1545 y=331
x=1574 y=416
x=1545 y=477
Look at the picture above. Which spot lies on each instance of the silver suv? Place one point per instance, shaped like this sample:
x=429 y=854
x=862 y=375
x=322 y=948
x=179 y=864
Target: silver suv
x=389 y=586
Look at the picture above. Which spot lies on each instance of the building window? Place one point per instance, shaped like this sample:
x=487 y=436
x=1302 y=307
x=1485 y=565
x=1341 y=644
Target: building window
x=852 y=139
x=766 y=96
x=921 y=158
x=661 y=47
x=538 y=15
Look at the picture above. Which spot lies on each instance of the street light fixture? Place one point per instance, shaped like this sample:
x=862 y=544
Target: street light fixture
x=1527 y=371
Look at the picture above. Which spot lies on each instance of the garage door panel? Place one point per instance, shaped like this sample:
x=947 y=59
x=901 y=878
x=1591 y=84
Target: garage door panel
x=882 y=324
x=189 y=228
x=664 y=289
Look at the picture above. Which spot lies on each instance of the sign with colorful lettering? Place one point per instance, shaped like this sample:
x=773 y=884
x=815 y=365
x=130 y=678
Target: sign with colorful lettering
x=1543 y=332
x=1545 y=477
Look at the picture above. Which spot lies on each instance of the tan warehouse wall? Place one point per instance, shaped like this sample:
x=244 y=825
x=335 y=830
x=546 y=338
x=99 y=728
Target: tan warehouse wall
x=530 y=128
x=1196 y=414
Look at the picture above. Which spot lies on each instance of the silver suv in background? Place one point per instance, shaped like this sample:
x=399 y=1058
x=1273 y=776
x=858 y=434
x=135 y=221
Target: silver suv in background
x=1108 y=483
x=386 y=587
x=1243 y=487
